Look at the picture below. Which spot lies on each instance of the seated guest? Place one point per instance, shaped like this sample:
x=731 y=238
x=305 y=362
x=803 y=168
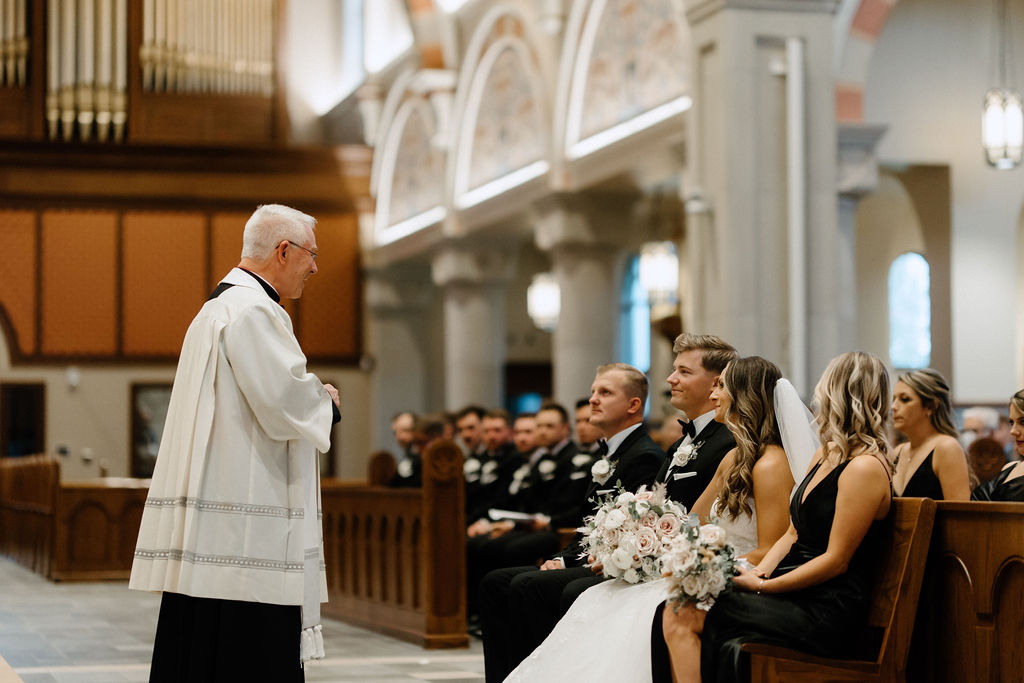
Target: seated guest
x=403 y=426
x=520 y=605
x=427 y=430
x=497 y=463
x=524 y=434
x=931 y=464
x=1008 y=485
x=588 y=437
x=979 y=422
x=810 y=592
x=986 y=458
x=469 y=429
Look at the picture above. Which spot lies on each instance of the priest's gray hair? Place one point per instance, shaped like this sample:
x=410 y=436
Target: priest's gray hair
x=271 y=224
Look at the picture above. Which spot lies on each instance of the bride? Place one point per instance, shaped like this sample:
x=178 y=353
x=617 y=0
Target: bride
x=606 y=634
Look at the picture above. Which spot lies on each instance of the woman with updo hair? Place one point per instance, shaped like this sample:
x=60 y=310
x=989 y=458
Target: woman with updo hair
x=932 y=464
x=811 y=590
x=1008 y=485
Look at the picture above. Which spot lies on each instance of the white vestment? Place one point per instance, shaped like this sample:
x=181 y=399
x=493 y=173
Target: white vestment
x=233 y=509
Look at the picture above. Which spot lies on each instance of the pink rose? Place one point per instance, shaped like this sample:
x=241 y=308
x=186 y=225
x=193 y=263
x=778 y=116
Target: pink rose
x=649 y=520
x=646 y=541
x=668 y=525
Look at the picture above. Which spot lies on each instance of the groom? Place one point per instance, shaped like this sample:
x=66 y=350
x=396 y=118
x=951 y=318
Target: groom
x=520 y=605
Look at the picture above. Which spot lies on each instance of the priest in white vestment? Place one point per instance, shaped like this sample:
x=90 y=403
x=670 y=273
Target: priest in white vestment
x=231 y=531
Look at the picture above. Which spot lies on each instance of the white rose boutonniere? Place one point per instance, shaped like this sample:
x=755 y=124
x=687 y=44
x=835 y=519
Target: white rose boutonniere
x=601 y=470
x=685 y=454
x=546 y=467
x=405 y=468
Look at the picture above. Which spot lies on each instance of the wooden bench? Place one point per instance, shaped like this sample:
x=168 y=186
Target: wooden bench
x=891 y=613
x=396 y=557
x=971 y=621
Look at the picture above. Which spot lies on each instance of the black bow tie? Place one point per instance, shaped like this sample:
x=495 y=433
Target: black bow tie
x=602 y=448
x=689 y=429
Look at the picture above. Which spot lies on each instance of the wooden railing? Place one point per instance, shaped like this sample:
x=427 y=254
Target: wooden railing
x=396 y=557
x=969 y=627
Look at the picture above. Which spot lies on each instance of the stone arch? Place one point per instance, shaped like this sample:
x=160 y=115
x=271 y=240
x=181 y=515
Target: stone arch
x=858 y=25
x=501 y=116
x=621 y=61
x=408 y=167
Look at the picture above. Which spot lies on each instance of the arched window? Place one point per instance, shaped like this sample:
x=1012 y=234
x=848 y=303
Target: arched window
x=910 y=312
x=388 y=33
x=634 y=318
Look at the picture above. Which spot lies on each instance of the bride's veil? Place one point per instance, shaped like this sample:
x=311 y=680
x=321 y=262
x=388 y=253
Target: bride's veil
x=797 y=427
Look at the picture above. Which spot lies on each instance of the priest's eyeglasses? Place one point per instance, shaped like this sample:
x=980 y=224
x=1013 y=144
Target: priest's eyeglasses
x=308 y=251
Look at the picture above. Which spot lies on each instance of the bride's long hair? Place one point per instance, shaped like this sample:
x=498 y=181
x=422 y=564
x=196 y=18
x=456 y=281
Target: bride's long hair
x=852 y=399
x=750 y=383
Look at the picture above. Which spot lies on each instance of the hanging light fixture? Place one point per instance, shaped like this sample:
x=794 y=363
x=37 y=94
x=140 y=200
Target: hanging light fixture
x=1002 y=123
x=659 y=273
x=544 y=301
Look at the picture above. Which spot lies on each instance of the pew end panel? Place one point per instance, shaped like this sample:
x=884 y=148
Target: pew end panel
x=891 y=611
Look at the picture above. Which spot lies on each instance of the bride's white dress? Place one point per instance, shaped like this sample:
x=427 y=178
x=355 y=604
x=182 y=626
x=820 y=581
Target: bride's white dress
x=606 y=634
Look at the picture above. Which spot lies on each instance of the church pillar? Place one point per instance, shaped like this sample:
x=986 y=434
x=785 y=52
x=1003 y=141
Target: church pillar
x=762 y=243
x=397 y=301
x=473 y=279
x=578 y=231
x=857 y=177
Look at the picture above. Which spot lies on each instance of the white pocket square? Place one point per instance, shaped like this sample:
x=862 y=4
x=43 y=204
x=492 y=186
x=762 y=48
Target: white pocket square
x=578 y=475
x=683 y=475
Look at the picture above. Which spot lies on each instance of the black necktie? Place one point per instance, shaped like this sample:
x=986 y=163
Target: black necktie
x=689 y=429
x=602 y=448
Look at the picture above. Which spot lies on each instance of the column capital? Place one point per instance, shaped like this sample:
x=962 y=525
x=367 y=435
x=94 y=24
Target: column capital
x=857 y=167
x=459 y=263
x=581 y=219
x=699 y=10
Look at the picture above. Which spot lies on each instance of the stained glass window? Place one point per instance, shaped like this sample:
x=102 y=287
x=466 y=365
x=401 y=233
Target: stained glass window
x=910 y=312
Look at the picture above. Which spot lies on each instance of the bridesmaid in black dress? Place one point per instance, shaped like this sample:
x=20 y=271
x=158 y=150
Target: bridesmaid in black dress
x=811 y=590
x=1008 y=485
x=931 y=464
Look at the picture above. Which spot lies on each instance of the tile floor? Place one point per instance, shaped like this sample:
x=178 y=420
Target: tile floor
x=103 y=633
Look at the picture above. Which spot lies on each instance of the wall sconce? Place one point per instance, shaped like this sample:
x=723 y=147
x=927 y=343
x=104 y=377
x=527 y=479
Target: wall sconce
x=659 y=275
x=544 y=301
x=1002 y=122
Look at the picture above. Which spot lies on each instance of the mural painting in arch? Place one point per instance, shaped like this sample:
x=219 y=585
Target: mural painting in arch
x=419 y=168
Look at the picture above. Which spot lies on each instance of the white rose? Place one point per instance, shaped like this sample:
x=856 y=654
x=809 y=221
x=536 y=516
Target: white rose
x=691 y=585
x=712 y=535
x=631 y=576
x=609 y=568
x=405 y=468
x=646 y=542
x=716 y=583
x=642 y=506
x=649 y=566
x=599 y=517
x=601 y=470
x=684 y=454
x=470 y=466
x=622 y=558
x=614 y=519
x=649 y=520
x=611 y=537
x=668 y=525
x=625 y=498
x=546 y=466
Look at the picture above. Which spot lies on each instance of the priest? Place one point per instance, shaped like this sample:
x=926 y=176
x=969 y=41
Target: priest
x=230 y=533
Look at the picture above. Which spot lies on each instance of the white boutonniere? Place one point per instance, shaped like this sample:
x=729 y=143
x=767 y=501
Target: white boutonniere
x=405 y=468
x=601 y=471
x=685 y=454
x=546 y=467
x=581 y=460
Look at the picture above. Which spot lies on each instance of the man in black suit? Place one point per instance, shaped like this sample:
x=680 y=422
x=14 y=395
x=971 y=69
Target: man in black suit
x=519 y=606
x=693 y=459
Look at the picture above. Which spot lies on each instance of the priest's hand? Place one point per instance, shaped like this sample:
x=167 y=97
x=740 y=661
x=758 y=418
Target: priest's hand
x=333 y=393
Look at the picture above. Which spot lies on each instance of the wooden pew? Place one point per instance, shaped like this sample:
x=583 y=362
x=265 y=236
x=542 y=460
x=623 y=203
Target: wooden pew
x=68 y=531
x=891 y=613
x=396 y=557
x=971 y=623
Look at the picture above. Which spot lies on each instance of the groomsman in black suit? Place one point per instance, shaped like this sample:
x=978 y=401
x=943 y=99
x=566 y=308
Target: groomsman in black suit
x=519 y=606
x=693 y=459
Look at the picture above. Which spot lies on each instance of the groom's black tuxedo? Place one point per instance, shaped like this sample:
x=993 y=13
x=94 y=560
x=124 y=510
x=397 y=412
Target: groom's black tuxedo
x=519 y=606
x=686 y=483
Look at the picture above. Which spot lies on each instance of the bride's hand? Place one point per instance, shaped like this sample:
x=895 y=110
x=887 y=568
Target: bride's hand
x=747 y=580
x=595 y=566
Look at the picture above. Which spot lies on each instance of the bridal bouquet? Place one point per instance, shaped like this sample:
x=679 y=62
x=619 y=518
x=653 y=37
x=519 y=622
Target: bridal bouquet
x=629 y=532
x=701 y=563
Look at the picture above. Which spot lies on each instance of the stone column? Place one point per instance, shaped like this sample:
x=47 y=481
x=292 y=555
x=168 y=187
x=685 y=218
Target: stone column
x=473 y=279
x=857 y=176
x=737 y=205
x=397 y=302
x=579 y=231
